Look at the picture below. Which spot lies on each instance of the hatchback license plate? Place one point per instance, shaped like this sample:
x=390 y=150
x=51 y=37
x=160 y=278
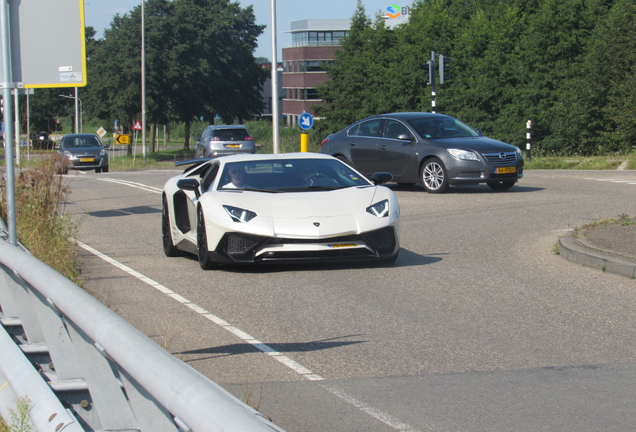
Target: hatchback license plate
x=233 y=146
x=87 y=160
x=507 y=170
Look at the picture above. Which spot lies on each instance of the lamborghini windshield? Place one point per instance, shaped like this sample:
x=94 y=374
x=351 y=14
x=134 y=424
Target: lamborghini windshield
x=289 y=175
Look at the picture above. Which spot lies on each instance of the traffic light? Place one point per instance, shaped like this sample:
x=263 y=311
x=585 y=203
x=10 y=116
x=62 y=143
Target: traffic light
x=444 y=69
x=429 y=67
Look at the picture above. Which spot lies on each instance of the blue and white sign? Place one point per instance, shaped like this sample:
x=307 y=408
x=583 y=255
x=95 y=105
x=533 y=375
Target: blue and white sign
x=305 y=121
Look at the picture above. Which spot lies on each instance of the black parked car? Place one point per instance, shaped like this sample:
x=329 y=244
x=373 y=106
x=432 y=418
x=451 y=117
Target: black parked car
x=41 y=141
x=432 y=149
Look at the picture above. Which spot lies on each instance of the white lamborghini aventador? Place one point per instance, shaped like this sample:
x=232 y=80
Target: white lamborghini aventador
x=296 y=207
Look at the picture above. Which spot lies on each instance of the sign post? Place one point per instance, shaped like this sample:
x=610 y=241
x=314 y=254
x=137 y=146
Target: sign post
x=37 y=59
x=305 y=121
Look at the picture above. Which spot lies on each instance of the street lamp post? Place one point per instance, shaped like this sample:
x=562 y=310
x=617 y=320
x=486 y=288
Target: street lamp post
x=275 y=120
x=78 y=111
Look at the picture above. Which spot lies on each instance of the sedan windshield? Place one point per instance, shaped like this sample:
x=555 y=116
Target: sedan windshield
x=432 y=128
x=289 y=175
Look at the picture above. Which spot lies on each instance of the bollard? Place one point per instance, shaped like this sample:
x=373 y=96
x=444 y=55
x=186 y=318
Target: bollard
x=304 y=142
x=528 y=140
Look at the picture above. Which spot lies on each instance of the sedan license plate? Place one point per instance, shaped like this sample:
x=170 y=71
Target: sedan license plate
x=506 y=170
x=87 y=159
x=233 y=146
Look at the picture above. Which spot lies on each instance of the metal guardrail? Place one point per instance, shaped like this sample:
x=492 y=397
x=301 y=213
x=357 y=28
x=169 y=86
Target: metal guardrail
x=84 y=368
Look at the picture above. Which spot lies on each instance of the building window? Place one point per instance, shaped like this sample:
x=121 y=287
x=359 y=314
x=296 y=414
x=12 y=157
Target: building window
x=312 y=66
x=313 y=38
x=310 y=94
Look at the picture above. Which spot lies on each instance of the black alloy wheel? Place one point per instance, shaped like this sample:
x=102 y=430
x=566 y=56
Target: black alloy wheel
x=169 y=249
x=202 y=244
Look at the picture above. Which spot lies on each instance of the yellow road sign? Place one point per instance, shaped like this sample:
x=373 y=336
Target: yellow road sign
x=122 y=139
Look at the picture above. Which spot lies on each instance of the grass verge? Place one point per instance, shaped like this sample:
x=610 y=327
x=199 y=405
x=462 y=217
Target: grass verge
x=583 y=163
x=43 y=227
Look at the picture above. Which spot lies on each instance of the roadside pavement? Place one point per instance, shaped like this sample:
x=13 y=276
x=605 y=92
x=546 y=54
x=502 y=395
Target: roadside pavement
x=609 y=247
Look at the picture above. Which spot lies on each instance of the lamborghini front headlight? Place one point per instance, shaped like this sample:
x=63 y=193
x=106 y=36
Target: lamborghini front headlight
x=380 y=209
x=239 y=214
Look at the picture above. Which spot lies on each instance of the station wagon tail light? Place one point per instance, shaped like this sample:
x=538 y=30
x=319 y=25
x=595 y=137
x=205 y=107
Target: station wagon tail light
x=248 y=138
x=324 y=142
x=380 y=209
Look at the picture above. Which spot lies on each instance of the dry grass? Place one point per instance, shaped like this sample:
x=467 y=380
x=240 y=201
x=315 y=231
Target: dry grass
x=42 y=225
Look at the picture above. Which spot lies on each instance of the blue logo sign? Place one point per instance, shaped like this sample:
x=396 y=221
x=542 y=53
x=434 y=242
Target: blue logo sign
x=305 y=121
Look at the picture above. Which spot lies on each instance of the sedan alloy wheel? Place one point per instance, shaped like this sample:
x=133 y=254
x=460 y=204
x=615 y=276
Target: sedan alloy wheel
x=434 y=178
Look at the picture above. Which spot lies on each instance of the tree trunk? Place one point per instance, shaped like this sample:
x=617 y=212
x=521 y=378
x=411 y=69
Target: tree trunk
x=153 y=136
x=186 y=144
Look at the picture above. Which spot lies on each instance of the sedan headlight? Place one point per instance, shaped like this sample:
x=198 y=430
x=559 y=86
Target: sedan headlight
x=463 y=154
x=239 y=214
x=380 y=209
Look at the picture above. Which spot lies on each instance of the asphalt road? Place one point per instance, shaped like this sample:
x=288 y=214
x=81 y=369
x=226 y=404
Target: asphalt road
x=478 y=326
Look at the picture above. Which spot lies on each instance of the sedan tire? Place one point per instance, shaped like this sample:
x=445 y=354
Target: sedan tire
x=501 y=185
x=169 y=248
x=202 y=244
x=434 y=176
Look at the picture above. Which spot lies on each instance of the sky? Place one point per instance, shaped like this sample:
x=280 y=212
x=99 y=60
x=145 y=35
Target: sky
x=99 y=14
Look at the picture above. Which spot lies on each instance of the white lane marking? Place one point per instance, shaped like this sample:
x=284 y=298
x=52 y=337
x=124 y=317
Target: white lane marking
x=133 y=184
x=296 y=367
x=291 y=364
x=631 y=182
x=387 y=419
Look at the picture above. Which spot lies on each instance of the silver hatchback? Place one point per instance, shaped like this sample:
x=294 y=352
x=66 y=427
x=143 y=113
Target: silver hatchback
x=224 y=140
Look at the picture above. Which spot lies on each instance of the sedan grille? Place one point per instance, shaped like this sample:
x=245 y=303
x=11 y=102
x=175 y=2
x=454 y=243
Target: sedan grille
x=501 y=158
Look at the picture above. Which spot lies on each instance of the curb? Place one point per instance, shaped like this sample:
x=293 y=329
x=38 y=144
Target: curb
x=577 y=253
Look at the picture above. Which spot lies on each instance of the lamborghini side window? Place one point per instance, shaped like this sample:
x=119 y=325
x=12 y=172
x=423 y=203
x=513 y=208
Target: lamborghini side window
x=208 y=177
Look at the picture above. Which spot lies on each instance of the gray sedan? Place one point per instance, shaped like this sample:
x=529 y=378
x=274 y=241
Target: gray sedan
x=432 y=149
x=83 y=152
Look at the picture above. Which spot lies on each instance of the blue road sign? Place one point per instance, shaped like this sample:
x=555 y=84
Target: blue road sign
x=305 y=121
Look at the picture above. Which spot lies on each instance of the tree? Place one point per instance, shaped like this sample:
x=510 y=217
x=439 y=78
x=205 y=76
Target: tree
x=366 y=76
x=192 y=70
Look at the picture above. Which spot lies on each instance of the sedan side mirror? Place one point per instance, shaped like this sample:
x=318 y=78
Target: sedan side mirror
x=189 y=184
x=405 y=137
x=381 y=178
